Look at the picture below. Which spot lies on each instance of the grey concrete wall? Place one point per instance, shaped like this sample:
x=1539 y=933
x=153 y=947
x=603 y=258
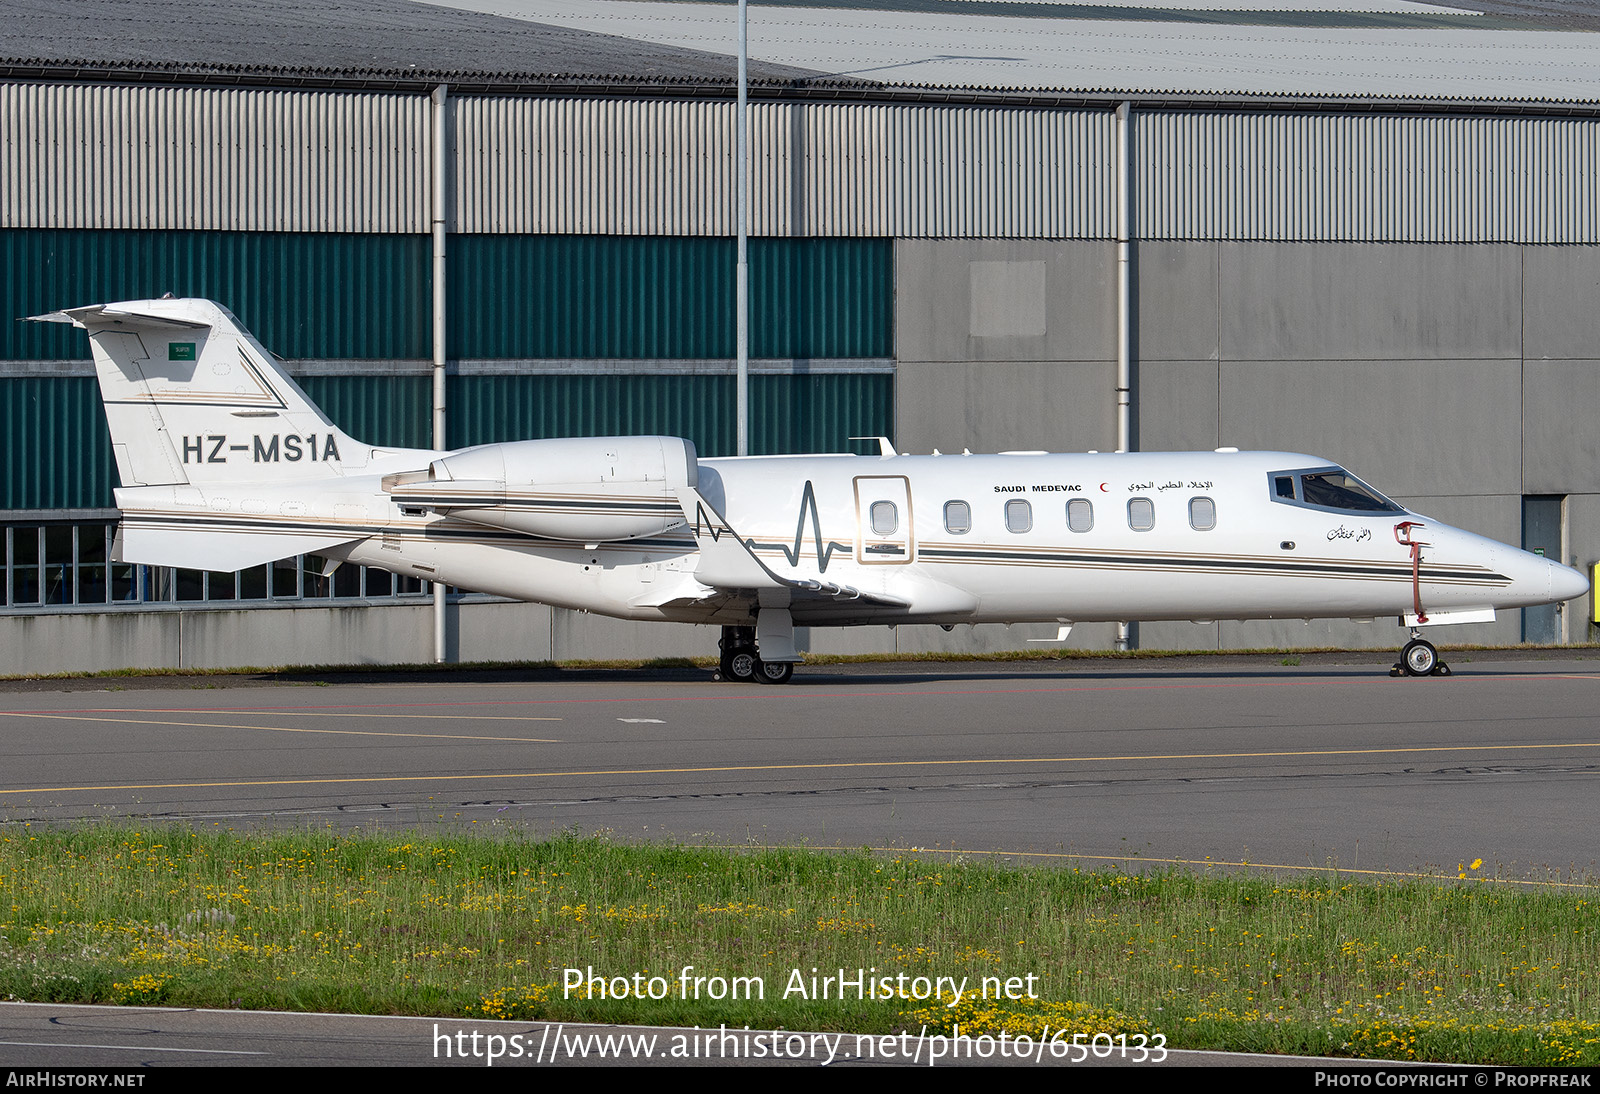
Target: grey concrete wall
x=1403 y=362
x=1561 y=426
x=1406 y=426
x=198 y=638
x=1457 y=378
x=1005 y=344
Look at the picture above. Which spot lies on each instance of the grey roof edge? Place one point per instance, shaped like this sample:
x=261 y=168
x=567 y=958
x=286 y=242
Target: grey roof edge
x=817 y=88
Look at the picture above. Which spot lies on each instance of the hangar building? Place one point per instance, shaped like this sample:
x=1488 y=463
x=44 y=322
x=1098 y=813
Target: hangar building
x=1368 y=230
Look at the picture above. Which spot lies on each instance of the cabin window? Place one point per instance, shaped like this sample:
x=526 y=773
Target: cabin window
x=1080 y=514
x=1202 y=514
x=957 y=518
x=1141 y=514
x=1019 y=515
x=885 y=518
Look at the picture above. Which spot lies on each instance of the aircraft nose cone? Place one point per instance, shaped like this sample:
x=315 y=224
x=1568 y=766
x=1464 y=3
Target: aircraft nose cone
x=1565 y=582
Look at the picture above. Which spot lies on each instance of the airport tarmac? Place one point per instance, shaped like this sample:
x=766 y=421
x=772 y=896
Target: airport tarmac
x=1213 y=760
x=121 y=1040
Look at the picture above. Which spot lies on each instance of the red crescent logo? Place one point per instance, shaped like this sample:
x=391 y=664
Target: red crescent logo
x=1103 y=489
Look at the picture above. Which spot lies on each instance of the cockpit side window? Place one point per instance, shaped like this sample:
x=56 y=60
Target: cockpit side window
x=1337 y=490
x=1331 y=488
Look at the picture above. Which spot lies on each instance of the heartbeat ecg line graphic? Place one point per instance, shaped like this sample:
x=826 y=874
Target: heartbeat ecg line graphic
x=808 y=504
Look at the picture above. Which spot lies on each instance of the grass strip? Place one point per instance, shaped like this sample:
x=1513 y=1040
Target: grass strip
x=483 y=925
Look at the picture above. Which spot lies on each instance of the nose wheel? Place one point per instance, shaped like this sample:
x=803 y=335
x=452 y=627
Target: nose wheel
x=774 y=672
x=1420 y=658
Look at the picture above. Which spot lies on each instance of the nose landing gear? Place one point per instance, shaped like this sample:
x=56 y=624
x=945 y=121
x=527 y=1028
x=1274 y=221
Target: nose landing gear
x=1420 y=658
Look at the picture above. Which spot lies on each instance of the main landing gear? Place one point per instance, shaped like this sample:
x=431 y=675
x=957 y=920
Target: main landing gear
x=741 y=664
x=1420 y=658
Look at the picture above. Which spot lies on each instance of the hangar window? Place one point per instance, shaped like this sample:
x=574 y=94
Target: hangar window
x=1080 y=514
x=885 y=518
x=1202 y=514
x=957 y=518
x=1141 y=514
x=1019 y=515
x=68 y=565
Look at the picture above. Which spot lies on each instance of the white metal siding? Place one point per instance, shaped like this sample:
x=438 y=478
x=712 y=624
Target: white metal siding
x=667 y=168
x=102 y=156
x=1361 y=178
x=228 y=159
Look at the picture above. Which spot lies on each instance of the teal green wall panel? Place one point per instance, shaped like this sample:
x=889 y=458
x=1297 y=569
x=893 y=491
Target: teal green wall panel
x=562 y=297
x=57 y=448
x=55 y=445
x=821 y=298
x=329 y=296
x=396 y=411
x=367 y=297
x=302 y=294
x=787 y=413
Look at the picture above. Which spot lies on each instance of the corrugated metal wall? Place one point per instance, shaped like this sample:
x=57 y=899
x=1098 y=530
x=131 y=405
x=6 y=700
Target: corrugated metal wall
x=234 y=159
x=583 y=166
x=1361 y=178
x=790 y=413
x=396 y=411
x=57 y=451
x=54 y=445
x=224 y=159
x=366 y=297
x=302 y=294
x=540 y=296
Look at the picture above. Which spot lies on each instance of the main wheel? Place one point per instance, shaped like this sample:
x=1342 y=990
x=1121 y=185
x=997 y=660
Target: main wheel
x=774 y=672
x=739 y=665
x=1419 y=657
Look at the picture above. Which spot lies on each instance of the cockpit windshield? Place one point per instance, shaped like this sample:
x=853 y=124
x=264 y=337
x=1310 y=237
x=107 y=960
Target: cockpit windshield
x=1330 y=488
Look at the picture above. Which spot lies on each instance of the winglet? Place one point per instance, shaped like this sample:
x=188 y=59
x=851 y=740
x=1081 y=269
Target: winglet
x=726 y=561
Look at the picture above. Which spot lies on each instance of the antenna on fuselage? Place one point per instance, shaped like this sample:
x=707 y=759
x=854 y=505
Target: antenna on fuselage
x=885 y=445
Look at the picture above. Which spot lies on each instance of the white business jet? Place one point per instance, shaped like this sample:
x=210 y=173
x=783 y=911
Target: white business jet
x=226 y=464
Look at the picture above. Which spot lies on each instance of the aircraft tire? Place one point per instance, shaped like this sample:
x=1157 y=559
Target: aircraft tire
x=774 y=672
x=740 y=665
x=1419 y=658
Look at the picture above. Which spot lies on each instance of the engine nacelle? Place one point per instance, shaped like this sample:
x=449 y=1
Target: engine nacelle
x=583 y=489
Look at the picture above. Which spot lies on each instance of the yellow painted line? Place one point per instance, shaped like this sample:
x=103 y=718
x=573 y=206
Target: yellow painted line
x=783 y=767
x=273 y=729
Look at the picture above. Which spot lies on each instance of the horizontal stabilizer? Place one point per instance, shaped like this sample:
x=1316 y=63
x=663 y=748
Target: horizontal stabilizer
x=157 y=543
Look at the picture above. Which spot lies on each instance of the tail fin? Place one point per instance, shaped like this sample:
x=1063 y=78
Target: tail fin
x=192 y=398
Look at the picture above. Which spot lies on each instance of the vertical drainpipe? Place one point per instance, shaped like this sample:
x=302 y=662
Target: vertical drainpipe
x=440 y=97
x=742 y=274
x=1126 y=636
